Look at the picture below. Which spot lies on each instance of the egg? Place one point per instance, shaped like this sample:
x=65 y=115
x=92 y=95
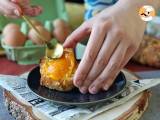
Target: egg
x=35 y=38
x=60 y=22
x=61 y=34
x=14 y=38
x=10 y=27
x=61 y=30
x=36 y=22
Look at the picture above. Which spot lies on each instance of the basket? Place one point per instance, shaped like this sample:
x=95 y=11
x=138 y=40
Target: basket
x=26 y=55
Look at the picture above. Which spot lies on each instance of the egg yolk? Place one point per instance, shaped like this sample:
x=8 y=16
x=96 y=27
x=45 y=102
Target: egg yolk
x=62 y=68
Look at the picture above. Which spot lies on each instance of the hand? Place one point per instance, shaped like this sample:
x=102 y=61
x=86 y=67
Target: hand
x=9 y=8
x=115 y=35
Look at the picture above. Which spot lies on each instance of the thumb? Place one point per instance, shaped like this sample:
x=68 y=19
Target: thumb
x=21 y=2
x=32 y=10
x=10 y=8
x=78 y=35
x=27 y=9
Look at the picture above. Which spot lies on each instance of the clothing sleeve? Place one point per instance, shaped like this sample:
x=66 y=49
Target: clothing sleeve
x=95 y=6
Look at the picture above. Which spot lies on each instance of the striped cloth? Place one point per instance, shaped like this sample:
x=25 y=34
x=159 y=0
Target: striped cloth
x=95 y=6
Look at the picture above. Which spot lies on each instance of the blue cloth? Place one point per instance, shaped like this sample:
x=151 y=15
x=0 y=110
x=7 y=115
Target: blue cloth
x=95 y=6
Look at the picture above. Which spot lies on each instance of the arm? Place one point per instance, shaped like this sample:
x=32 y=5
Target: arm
x=139 y=3
x=115 y=35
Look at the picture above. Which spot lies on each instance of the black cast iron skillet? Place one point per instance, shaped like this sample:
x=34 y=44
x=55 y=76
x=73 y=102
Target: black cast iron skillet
x=74 y=97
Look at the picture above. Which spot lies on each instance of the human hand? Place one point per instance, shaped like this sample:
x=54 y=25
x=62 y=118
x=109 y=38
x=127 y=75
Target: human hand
x=115 y=35
x=10 y=8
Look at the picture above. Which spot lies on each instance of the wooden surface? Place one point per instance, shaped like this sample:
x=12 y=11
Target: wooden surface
x=11 y=68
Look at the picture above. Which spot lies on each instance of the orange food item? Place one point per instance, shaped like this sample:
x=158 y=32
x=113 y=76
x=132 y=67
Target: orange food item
x=57 y=73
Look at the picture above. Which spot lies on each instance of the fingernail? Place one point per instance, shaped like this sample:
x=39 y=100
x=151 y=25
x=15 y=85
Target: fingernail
x=78 y=81
x=40 y=9
x=93 y=90
x=17 y=12
x=83 y=90
x=106 y=87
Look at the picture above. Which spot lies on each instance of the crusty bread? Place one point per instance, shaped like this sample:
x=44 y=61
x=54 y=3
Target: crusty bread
x=149 y=52
x=60 y=85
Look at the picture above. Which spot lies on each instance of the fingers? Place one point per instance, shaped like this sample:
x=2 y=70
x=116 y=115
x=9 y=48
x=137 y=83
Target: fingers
x=110 y=71
x=13 y=10
x=78 y=35
x=10 y=9
x=107 y=83
x=32 y=10
x=101 y=60
x=130 y=52
x=27 y=9
x=22 y=2
x=125 y=60
x=11 y=16
x=95 y=42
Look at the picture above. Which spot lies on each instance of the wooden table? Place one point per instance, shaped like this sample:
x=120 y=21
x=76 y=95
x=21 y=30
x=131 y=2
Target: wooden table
x=11 y=68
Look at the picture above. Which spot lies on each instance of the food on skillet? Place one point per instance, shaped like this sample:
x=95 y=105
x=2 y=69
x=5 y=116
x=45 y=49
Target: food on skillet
x=57 y=73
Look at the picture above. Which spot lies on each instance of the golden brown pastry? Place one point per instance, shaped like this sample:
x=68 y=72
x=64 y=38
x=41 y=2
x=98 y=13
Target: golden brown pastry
x=149 y=52
x=57 y=73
